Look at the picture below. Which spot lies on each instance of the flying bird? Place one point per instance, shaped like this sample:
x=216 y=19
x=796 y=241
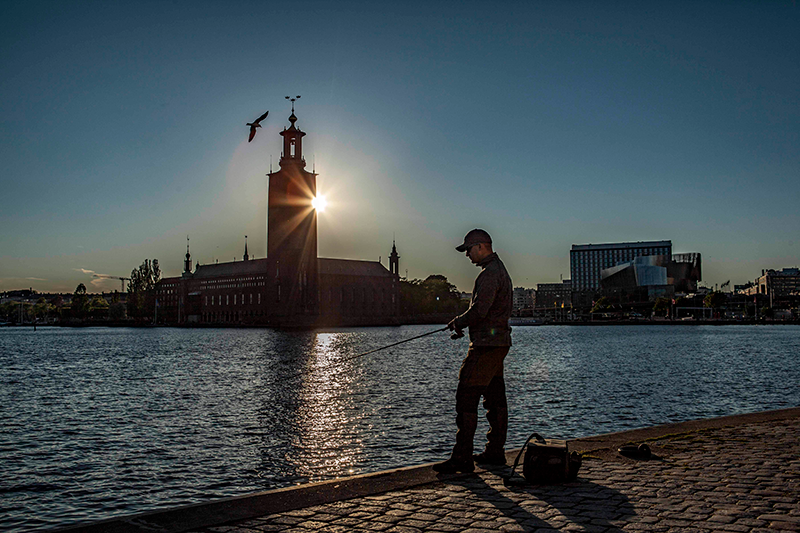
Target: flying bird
x=256 y=124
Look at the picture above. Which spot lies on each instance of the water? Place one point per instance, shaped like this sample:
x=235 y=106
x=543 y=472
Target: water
x=104 y=422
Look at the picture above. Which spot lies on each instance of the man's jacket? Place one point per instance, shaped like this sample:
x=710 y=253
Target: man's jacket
x=490 y=308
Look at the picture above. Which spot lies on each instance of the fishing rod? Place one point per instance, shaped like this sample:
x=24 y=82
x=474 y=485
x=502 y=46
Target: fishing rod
x=385 y=347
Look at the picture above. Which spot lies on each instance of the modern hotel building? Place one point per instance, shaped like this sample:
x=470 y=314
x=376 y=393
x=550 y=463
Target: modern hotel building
x=586 y=261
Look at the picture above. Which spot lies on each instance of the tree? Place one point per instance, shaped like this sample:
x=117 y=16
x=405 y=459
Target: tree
x=98 y=307
x=80 y=302
x=433 y=295
x=42 y=309
x=141 y=289
x=10 y=310
x=661 y=306
x=116 y=311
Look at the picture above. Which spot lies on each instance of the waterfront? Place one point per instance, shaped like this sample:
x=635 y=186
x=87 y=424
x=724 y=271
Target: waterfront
x=100 y=422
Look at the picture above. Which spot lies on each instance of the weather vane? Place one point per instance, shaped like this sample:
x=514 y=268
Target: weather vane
x=292 y=100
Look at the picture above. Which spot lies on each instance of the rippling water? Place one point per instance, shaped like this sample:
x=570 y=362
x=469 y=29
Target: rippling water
x=102 y=422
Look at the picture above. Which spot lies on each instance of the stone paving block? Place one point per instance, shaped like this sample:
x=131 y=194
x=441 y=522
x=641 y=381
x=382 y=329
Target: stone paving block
x=736 y=528
x=332 y=528
x=300 y=512
x=512 y=528
x=421 y=524
x=388 y=519
x=750 y=522
x=445 y=528
x=377 y=526
x=776 y=517
x=784 y=526
x=287 y=520
x=312 y=524
x=324 y=517
x=403 y=529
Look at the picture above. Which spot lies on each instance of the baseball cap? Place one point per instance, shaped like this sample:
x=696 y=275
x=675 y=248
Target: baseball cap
x=474 y=237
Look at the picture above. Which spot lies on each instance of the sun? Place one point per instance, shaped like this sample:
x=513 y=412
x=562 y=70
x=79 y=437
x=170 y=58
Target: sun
x=319 y=203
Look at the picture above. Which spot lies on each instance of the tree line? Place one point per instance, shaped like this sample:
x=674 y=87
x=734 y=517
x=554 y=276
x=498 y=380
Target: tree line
x=140 y=304
x=433 y=295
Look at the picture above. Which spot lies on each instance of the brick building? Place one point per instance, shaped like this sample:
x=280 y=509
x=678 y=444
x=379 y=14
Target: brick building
x=292 y=286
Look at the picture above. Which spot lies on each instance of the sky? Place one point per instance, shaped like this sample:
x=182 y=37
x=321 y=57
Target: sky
x=547 y=124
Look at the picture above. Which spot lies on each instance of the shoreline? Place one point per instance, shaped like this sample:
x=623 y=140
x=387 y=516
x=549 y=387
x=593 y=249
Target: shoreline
x=599 y=455
x=323 y=327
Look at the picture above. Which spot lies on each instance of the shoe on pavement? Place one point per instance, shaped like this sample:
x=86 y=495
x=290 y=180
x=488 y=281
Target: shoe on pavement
x=484 y=458
x=451 y=466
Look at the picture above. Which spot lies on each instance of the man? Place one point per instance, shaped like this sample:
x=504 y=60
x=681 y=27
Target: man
x=481 y=372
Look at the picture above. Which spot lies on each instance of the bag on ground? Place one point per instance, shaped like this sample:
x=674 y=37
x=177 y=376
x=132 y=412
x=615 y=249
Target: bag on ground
x=547 y=461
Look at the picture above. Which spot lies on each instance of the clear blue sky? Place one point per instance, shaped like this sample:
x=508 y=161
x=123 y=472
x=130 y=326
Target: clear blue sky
x=546 y=123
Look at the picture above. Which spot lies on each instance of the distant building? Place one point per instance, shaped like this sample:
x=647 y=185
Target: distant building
x=659 y=275
x=292 y=286
x=523 y=298
x=781 y=287
x=619 y=267
x=684 y=271
x=643 y=279
x=742 y=289
x=17 y=295
x=587 y=261
x=642 y=271
x=549 y=295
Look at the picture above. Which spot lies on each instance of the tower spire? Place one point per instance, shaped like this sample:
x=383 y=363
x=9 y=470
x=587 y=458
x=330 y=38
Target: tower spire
x=292 y=141
x=246 y=257
x=187 y=263
x=394 y=260
x=293 y=100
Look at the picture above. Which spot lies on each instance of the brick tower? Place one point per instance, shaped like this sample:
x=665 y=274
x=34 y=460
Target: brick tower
x=292 y=227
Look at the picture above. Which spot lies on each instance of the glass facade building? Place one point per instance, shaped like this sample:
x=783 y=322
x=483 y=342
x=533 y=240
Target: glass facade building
x=587 y=261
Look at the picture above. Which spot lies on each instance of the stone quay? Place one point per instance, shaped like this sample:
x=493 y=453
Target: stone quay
x=731 y=474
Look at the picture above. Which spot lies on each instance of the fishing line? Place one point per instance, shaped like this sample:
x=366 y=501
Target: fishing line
x=346 y=359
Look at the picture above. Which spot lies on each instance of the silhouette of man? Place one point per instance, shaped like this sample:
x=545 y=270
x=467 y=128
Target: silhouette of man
x=481 y=372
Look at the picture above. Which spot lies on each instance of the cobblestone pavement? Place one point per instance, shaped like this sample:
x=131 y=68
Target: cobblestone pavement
x=739 y=479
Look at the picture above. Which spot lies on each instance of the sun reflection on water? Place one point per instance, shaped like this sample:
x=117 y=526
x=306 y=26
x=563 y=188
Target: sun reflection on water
x=328 y=443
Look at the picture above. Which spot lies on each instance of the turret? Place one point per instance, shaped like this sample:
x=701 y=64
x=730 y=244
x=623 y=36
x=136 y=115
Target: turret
x=187 y=263
x=394 y=261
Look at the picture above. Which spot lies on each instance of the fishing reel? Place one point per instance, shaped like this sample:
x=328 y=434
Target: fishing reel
x=457 y=334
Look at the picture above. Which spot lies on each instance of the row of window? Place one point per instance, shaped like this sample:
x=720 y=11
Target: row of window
x=216 y=299
x=233 y=283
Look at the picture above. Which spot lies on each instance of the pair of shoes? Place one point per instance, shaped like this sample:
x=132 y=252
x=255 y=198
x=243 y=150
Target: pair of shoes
x=484 y=458
x=451 y=466
x=636 y=452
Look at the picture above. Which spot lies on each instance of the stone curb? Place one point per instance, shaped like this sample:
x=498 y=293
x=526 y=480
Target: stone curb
x=236 y=508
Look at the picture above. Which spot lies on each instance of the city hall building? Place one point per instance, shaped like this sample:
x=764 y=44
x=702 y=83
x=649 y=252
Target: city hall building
x=292 y=287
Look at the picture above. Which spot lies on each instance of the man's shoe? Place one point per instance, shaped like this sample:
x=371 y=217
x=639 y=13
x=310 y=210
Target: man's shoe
x=490 y=459
x=451 y=466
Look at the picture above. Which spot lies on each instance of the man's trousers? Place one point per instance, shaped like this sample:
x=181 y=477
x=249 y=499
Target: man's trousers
x=481 y=374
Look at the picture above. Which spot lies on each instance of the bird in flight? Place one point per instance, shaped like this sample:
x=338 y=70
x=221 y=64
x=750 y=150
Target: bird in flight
x=256 y=124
